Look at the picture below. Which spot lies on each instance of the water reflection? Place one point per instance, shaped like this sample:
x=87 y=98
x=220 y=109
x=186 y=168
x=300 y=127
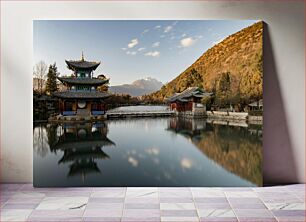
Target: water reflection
x=148 y=152
x=79 y=144
x=236 y=146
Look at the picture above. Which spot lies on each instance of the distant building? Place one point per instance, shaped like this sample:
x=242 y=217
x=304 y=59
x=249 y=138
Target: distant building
x=188 y=102
x=256 y=106
x=82 y=97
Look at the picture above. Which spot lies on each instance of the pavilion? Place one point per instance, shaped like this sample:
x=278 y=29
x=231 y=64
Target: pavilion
x=188 y=102
x=82 y=97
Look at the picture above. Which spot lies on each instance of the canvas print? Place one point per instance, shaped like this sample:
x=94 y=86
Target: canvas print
x=147 y=103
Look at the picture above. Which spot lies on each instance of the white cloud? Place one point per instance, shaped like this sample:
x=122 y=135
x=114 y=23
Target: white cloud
x=133 y=43
x=157 y=27
x=131 y=52
x=186 y=163
x=141 y=49
x=186 y=42
x=162 y=36
x=155 y=44
x=145 y=31
x=172 y=37
x=124 y=49
x=184 y=34
x=168 y=29
x=133 y=161
x=153 y=53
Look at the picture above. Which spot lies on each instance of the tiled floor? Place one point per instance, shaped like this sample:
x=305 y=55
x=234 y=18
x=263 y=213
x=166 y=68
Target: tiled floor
x=22 y=202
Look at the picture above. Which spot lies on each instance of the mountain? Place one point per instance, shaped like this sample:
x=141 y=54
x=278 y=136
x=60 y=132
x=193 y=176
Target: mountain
x=232 y=69
x=138 y=88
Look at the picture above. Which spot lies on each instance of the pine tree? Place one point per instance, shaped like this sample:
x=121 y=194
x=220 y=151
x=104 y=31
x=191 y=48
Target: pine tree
x=223 y=90
x=51 y=85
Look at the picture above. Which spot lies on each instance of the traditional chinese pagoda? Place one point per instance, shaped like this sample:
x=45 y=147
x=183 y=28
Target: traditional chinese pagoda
x=82 y=97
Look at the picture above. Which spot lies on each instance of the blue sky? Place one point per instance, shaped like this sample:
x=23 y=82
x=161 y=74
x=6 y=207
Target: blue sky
x=130 y=49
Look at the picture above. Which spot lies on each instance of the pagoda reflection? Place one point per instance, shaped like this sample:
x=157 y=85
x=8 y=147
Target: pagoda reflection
x=235 y=148
x=82 y=146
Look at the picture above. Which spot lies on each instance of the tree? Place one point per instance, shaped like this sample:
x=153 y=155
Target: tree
x=251 y=81
x=105 y=86
x=223 y=89
x=208 y=101
x=39 y=72
x=51 y=85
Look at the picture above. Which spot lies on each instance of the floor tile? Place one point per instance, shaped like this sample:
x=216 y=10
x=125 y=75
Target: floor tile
x=54 y=219
x=210 y=200
x=248 y=206
x=177 y=206
x=14 y=215
x=179 y=219
x=175 y=192
x=140 y=219
x=213 y=205
x=254 y=219
x=245 y=200
x=207 y=192
x=218 y=219
x=20 y=206
x=285 y=206
x=62 y=203
x=176 y=200
x=141 y=213
x=101 y=219
x=109 y=193
x=98 y=205
x=57 y=213
x=133 y=192
x=178 y=213
x=105 y=200
x=240 y=194
x=216 y=213
x=289 y=213
x=141 y=206
x=103 y=212
x=253 y=213
x=142 y=200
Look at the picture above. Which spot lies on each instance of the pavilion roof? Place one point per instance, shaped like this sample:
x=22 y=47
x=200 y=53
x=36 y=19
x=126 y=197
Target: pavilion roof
x=81 y=95
x=258 y=103
x=82 y=64
x=83 y=81
x=82 y=169
x=188 y=93
x=73 y=156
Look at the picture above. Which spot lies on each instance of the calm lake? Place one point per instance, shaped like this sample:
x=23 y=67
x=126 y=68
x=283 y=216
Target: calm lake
x=148 y=152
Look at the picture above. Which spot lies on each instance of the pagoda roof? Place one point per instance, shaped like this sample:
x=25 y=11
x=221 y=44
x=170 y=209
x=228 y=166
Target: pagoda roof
x=73 y=156
x=83 y=81
x=189 y=92
x=258 y=103
x=82 y=64
x=77 y=169
x=81 y=95
x=82 y=145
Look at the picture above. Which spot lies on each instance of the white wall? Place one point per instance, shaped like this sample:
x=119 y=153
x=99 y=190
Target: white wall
x=284 y=63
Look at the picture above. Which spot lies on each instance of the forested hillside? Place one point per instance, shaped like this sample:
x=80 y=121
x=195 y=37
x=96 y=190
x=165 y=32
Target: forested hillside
x=232 y=69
